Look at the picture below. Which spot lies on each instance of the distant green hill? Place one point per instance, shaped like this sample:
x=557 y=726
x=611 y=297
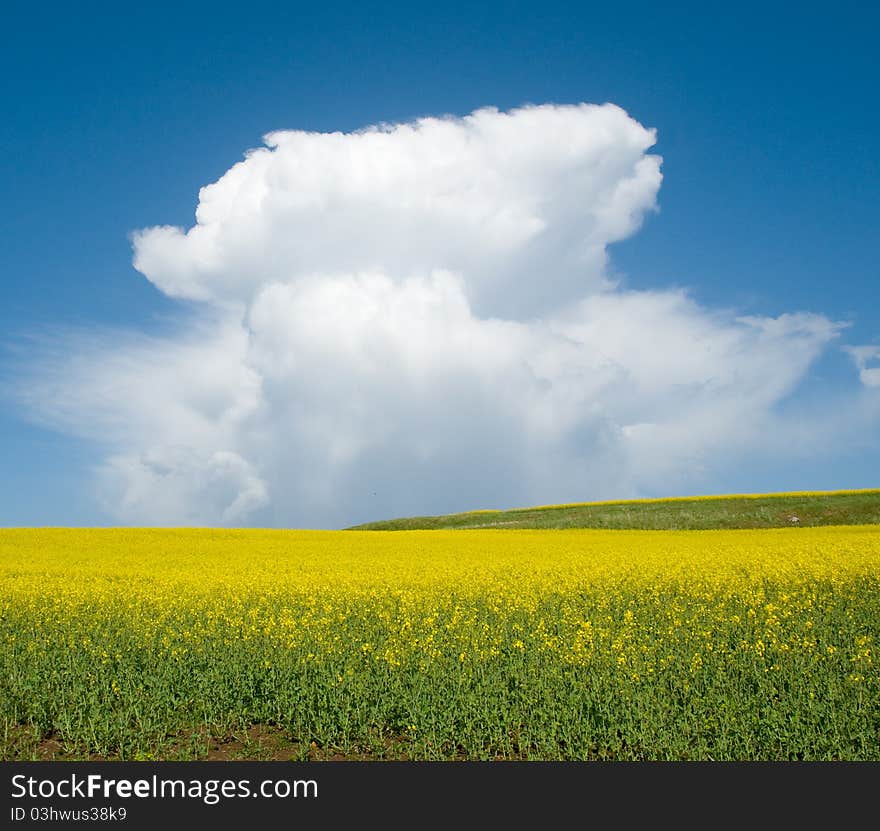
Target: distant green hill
x=770 y=510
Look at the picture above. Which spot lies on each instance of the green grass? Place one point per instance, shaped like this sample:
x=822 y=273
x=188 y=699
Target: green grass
x=860 y=507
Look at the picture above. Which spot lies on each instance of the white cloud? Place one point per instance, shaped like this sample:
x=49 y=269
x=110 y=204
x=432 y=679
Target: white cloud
x=522 y=203
x=417 y=318
x=867 y=359
x=177 y=486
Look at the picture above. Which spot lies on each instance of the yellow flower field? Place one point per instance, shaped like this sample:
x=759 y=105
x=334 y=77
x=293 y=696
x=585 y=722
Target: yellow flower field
x=447 y=644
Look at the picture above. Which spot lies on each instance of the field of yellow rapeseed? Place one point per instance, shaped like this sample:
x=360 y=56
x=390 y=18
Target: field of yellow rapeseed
x=447 y=644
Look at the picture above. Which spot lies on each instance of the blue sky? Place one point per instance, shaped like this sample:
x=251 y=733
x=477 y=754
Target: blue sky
x=766 y=123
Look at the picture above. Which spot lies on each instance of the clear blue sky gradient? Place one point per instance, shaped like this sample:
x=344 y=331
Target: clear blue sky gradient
x=114 y=116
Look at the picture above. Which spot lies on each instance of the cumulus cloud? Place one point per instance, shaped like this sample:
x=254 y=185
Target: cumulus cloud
x=523 y=203
x=418 y=318
x=867 y=359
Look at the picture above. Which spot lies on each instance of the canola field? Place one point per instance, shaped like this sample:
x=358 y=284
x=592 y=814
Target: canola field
x=586 y=644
